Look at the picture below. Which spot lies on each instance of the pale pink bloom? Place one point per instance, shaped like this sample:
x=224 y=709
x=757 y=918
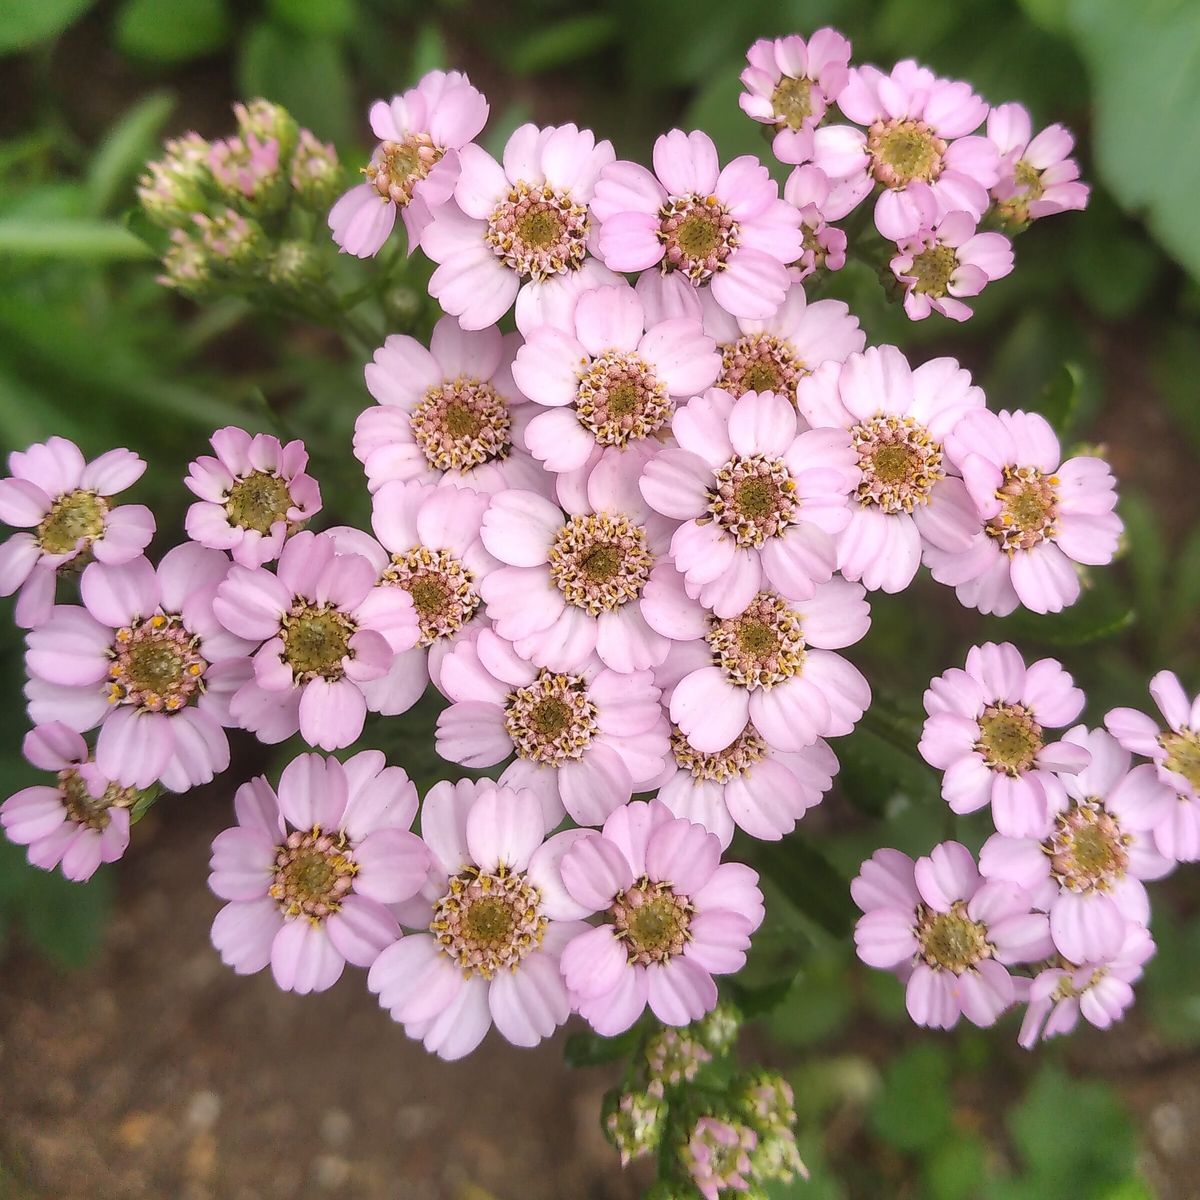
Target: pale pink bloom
x=310 y=872
x=808 y=188
x=449 y=414
x=610 y=378
x=584 y=741
x=1087 y=871
x=789 y=84
x=415 y=166
x=521 y=230
x=66 y=503
x=247 y=165
x=147 y=660
x=725 y=228
x=916 y=148
x=947 y=933
x=1037 y=175
x=1041 y=515
x=81 y=820
x=492 y=871
x=1175 y=751
x=986 y=730
x=253 y=495
x=717 y=1155
x=322 y=631
x=760 y=501
x=909 y=496
x=948 y=259
x=675 y=916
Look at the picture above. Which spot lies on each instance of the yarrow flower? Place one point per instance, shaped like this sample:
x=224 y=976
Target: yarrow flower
x=808 y=189
x=1037 y=175
x=66 y=503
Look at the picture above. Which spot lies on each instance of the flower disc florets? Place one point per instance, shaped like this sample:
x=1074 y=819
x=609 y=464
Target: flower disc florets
x=699 y=233
x=1009 y=738
x=1088 y=850
x=600 y=561
x=313 y=872
x=83 y=808
x=1029 y=500
x=1182 y=748
x=753 y=498
x=442 y=590
x=74 y=516
x=951 y=940
x=904 y=151
x=620 y=399
x=155 y=665
x=316 y=640
x=462 y=424
x=760 y=362
x=652 y=921
x=398 y=167
x=538 y=232
x=900 y=463
x=760 y=648
x=552 y=720
x=258 y=500
x=746 y=751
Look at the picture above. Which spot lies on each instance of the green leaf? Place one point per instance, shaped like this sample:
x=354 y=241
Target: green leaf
x=566 y=41
x=592 y=1050
x=321 y=18
x=1060 y=397
x=955 y=1167
x=913 y=1110
x=25 y=23
x=125 y=148
x=429 y=50
x=809 y=881
x=875 y=770
x=92 y=241
x=715 y=110
x=1102 y=611
x=172 y=31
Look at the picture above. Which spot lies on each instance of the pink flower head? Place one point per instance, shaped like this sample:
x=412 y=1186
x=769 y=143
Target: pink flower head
x=675 y=916
x=416 y=165
x=760 y=500
x=253 y=494
x=66 y=503
x=790 y=82
x=950 y=935
x=449 y=415
x=986 y=731
x=610 y=378
x=916 y=148
x=247 y=166
x=494 y=918
x=718 y=1155
x=808 y=189
x=520 y=231
x=1041 y=515
x=81 y=820
x=323 y=630
x=146 y=659
x=948 y=259
x=700 y=224
x=1037 y=175
x=1087 y=871
x=1175 y=752
x=310 y=870
x=909 y=496
x=584 y=740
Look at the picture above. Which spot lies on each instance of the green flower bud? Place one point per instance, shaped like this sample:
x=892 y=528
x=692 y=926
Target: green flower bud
x=267 y=122
x=316 y=173
x=719 y=1029
x=296 y=266
x=186 y=266
x=633 y=1122
x=174 y=187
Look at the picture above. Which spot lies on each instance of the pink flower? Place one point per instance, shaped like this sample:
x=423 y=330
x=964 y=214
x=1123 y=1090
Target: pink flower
x=1175 y=752
x=947 y=933
x=808 y=188
x=725 y=228
x=789 y=83
x=247 y=166
x=253 y=494
x=494 y=918
x=760 y=500
x=945 y=260
x=1037 y=176
x=310 y=872
x=909 y=496
x=67 y=503
x=1042 y=515
x=584 y=741
x=81 y=820
x=520 y=231
x=323 y=630
x=147 y=660
x=1087 y=871
x=610 y=377
x=986 y=731
x=416 y=165
x=675 y=917
x=449 y=415
x=916 y=148
x=717 y=1155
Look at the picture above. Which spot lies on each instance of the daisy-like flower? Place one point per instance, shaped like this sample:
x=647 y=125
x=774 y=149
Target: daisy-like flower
x=986 y=730
x=808 y=189
x=309 y=872
x=322 y=630
x=520 y=231
x=584 y=740
x=701 y=224
x=917 y=148
x=950 y=935
x=493 y=919
x=66 y=504
x=675 y=916
x=253 y=494
x=610 y=378
x=760 y=501
x=146 y=659
x=1175 y=752
x=717 y=1155
x=416 y=164
x=450 y=414
x=1037 y=175
x=909 y=496
x=1087 y=872
x=1041 y=515
x=80 y=821
x=946 y=260
x=789 y=84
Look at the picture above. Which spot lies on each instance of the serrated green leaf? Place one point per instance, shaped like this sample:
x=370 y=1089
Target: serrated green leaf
x=25 y=23
x=172 y=31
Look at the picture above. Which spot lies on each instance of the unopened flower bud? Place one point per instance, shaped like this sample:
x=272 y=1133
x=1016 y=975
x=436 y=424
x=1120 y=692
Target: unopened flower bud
x=268 y=122
x=186 y=265
x=767 y=1103
x=234 y=241
x=295 y=266
x=316 y=173
x=717 y=1156
x=673 y=1057
x=247 y=172
x=633 y=1122
x=719 y=1029
x=173 y=187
